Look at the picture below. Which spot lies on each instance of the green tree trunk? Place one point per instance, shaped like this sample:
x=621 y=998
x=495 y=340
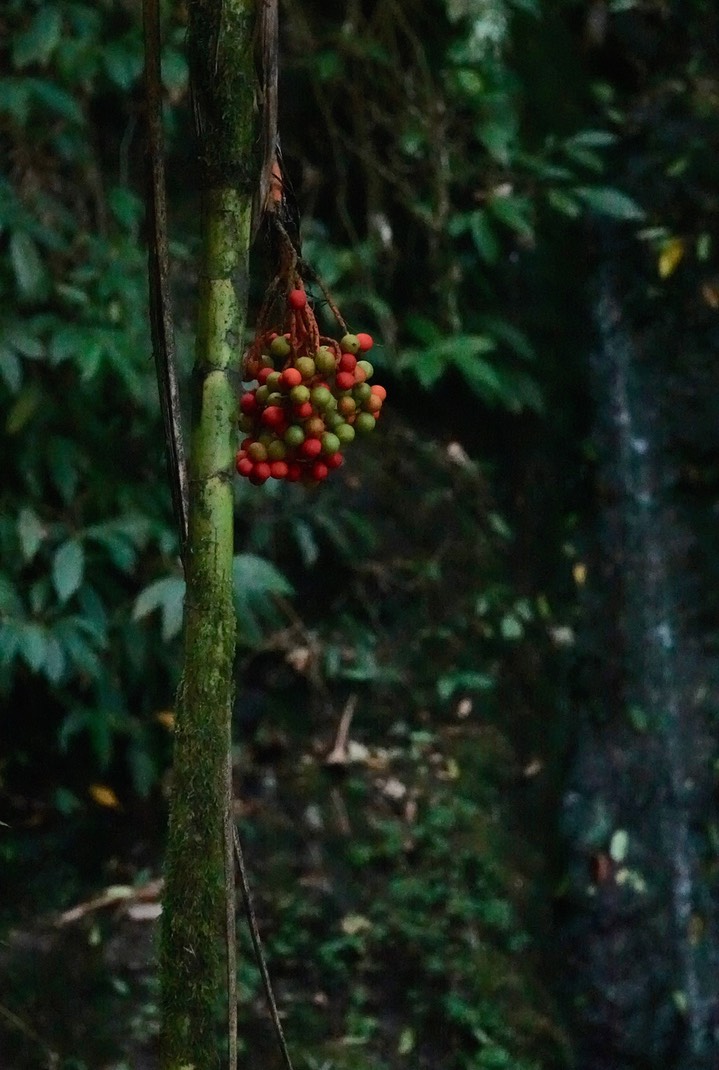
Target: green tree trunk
x=194 y=914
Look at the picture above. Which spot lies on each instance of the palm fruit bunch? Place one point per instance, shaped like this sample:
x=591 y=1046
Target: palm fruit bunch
x=308 y=397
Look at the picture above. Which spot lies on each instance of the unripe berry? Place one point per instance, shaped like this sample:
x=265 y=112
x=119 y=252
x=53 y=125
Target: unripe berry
x=275 y=397
x=365 y=341
x=320 y=397
x=360 y=374
x=366 y=367
x=334 y=420
x=346 y=405
x=305 y=366
x=345 y=434
x=245 y=423
x=294 y=436
x=330 y=443
x=361 y=392
x=325 y=360
x=365 y=423
x=280 y=346
x=314 y=427
x=373 y=403
x=299 y=394
x=262 y=393
x=273 y=380
x=297 y=299
x=276 y=450
x=349 y=343
x=257 y=452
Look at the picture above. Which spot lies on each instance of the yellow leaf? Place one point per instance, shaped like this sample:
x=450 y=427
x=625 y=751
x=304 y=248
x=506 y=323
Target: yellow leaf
x=103 y=796
x=670 y=256
x=580 y=574
x=166 y=719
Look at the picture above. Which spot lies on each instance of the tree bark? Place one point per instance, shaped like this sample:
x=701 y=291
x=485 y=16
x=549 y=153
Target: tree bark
x=197 y=882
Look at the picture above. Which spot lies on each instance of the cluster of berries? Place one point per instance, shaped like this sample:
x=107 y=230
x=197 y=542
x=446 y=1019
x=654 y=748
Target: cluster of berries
x=312 y=396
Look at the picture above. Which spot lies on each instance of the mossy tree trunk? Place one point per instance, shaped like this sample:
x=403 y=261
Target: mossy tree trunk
x=192 y=975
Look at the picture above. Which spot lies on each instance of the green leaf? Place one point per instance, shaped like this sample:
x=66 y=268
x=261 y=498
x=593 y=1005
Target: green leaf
x=592 y=139
x=256 y=583
x=27 y=266
x=32 y=645
x=10 y=369
x=484 y=237
x=609 y=201
x=167 y=595
x=123 y=63
x=452 y=682
x=39 y=41
x=31 y=531
x=68 y=566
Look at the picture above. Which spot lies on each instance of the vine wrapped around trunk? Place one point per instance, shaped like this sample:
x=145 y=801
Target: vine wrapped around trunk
x=197 y=880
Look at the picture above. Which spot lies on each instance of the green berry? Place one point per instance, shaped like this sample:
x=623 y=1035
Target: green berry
x=330 y=442
x=365 y=423
x=262 y=393
x=325 y=360
x=334 y=420
x=305 y=366
x=300 y=394
x=272 y=382
x=349 y=343
x=366 y=367
x=361 y=392
x=320 y=397
x=280 y=347
x=276 y=450
x=275 y=398
x=345 y=433
x=257 y=452
x=294 y=436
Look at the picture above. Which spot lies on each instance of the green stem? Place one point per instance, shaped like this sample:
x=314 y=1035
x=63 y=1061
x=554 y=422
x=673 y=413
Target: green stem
x=197 y=884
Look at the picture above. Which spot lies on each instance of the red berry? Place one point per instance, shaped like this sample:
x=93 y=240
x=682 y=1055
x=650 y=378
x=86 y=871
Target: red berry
x=345 y=380
x=279 y=469
x=297 y=299
x=365 y=341
x=334 y=460
x=263 y=373
x=320 y=470
x=311 y=448
x=360 y=374
x=246 y=442
x=244 y=466
x=248 y=402
x=260 y=473
x=347 y=362
x=294 y=472
x=273 y=416
x=379 y=391
x=304 y=411
x=290 y=377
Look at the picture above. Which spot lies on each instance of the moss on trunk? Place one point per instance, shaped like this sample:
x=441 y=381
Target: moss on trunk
x=193 y=928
